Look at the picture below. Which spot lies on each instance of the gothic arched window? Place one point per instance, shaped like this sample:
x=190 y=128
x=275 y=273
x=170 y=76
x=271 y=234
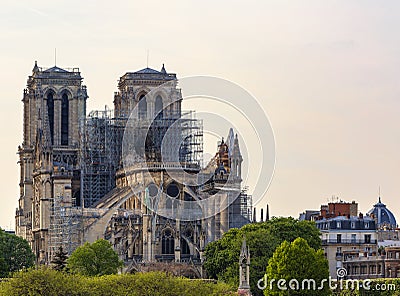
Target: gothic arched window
x=185 y=250
x=142 y=107
x=64 y=119
x=168 y=243
x=50 y=114
x=158 y=108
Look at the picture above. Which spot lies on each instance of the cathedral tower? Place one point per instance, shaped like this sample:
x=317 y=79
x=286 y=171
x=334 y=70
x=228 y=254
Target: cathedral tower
x=134 y=88
x=54 y=102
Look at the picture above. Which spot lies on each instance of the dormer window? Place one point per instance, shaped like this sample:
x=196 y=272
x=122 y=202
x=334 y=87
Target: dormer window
x=366 y=225
x=338 y=224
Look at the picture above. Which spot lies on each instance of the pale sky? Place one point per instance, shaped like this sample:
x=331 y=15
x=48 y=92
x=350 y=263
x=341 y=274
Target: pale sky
x=326 y=72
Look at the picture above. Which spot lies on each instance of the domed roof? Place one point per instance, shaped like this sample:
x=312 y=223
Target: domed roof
x=383 y=215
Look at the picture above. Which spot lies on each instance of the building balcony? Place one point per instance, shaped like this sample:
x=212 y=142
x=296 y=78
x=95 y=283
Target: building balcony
x=348 y=242
x=369 y=258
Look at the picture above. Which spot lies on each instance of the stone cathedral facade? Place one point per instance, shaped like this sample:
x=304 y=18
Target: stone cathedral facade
x=53 y=103
x=76 y=186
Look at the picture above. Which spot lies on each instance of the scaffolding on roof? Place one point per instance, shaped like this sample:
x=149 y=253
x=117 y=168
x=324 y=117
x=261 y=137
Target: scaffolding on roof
x=100 y=154
x=192 y=135
x=173 y=134
x=171 y=138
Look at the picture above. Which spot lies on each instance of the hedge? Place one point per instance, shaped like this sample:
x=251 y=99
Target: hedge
x=48 y=282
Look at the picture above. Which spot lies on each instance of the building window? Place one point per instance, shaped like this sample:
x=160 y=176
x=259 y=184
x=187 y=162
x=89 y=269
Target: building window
x=338 y=252
x=355 y=269
x=150 y=193
x=64 y=119
x=142 y=107
x=366 y=225
x=185 y=250
x=158 y=108
x=50 y=114
x=168 y=243
x=353 y=225
x=338 y=224
x=173 y=190
x=152 y=190
x=363 y=269
x=353 y=238
x=339 y=238
x=367 y=238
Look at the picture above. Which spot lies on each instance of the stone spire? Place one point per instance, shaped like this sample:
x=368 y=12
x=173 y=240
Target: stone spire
x=35 y=68
x=163 y=69
x=235 y=157
x=244 y=270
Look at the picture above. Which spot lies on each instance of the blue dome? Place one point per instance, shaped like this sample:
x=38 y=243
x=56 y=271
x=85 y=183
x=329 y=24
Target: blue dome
x=382 y=215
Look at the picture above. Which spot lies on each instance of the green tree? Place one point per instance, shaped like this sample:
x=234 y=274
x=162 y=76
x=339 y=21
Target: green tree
x=97 y=258
x=301 y=270
x=3 y=266
x=15 y=254
x=60 y=259
x=222 y=256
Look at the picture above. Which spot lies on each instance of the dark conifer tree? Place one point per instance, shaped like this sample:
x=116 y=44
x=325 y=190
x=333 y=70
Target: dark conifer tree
x=60 y=259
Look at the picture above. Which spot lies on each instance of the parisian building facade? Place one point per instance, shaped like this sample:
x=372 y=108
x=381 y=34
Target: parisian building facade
x=358 y=246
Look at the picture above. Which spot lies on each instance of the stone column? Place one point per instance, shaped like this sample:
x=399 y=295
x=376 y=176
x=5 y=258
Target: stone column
x=146 y=238
x=177 y=242
x=130 y=242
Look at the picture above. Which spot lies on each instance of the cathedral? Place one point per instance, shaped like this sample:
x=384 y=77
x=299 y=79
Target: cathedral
x=134 y=175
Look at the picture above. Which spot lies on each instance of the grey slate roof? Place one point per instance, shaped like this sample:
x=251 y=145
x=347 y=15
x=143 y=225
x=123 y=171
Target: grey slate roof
x=55 y=69
x=148 y=71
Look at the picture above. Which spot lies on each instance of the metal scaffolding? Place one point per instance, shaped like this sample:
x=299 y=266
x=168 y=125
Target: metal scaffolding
x=65 y=226
x=173 y=137
x=102 y=134
x=240 y=211
x=192 y=134
x=100 y=154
